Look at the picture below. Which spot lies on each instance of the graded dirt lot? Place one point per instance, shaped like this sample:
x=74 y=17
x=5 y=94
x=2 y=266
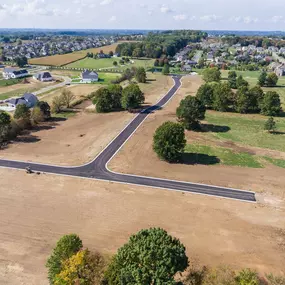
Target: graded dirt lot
x=137 y=156
x=78 y=139
x=36 y=210
x=59 y=60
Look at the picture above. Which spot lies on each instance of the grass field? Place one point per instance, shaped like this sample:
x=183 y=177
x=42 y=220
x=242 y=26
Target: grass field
x=58 y=60
x=10 y=82
x=91 y=63
x=207 y=155
x=248 y=130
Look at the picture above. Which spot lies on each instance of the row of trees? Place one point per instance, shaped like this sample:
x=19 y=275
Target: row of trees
x=114 y=98
x=151 y=256
x=23 y=118
x=61 y=101
x=138 y=72
x=220 y=97
x=156 y=45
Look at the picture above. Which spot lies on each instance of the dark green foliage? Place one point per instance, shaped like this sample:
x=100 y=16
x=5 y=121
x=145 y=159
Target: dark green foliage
x=169 y=141
x=190 y=111
x=150 y=257
x=270 y=125
x=243 y=100
x=256 y=96
x=205 y=94
x=223 y=97
x=232 y=79
x=262 y=78
x=156 y=62
x=271 y=80
x=23 y=115
x=132 y=97
x=271 y=105
x=212 y=74
x=5 y=125
x=67 y=246
x=240 y=82
x=21 y=61
x=116 y=95
x=45 y=108
x=104 y=101
x=140 y=75
x=165 y=69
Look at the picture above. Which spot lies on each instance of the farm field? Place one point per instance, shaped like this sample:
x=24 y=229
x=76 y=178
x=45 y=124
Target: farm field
x=91 y=63
x=36 y=210
x=77 y=140
x=241 y=162
x=63 y=59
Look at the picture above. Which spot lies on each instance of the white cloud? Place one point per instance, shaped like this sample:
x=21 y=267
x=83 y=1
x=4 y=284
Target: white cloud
x=180 y=17
x=210 y=18
x=106 y=2
x=277 y=19
x=165 y=9
x=113 y=19
x=142 y=5
x=250 y=20
x=236 y=19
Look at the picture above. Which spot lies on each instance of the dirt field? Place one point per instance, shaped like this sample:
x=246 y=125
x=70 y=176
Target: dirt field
x=80 y=138
x=137 y=157
x=35 y=211
x=59 y=60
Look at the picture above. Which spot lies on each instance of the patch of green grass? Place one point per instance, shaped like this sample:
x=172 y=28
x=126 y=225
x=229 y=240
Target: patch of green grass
x=16 y=93
x=91 y=63
x=10 y=82
x=104 y=78
x=248 y=130
x=203 y=154
x=277 y=162
x=65 y=114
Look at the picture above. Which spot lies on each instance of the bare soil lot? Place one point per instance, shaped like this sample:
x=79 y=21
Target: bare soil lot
x=35 y=211
x=78 y=139
x=137 y=157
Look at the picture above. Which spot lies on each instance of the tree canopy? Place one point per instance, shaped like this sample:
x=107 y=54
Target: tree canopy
x=205 y=94
x=5 y=124
x=271 y=104
x=169 y=141
x=132 y=97
x=140 y=75
x=150 y=257
x=190 y=111
x=212 y=74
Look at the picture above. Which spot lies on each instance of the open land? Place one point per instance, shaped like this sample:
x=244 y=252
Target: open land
x=245 y=141
x=36 y=211
x=78 y=139
x=63 y=59
x=107 y=63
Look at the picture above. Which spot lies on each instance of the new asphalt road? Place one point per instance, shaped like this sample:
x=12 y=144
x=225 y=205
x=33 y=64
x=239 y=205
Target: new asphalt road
x=97 y=169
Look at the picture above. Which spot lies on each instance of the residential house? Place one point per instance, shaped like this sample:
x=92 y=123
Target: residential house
x=187 y=68
x=30 y=100
x=280 y=70
x=12 y=73
x=43 y=76
x=88 y=76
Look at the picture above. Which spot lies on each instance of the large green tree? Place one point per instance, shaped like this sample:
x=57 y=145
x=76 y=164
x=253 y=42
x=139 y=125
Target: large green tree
x=223 y=97
x=132 y=97
x=240 y=82
x=150 y=257
x=169 y=141
x=140 y=75
x=115 y=91
x=262 y=78
x=165 y=69
x=232 y=78
x=104 y=102
x=256 y=96
x=205 y=94
x=23 y=115
x=271 y=80
x=212 y=74
x=67 y=246
x=243 y=100
x=5 y=125
x=271 y=104
x=190 y=112
x=45 y=108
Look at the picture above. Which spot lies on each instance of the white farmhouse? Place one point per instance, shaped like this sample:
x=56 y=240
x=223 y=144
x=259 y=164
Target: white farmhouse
x=43 y=76
x=12 y=73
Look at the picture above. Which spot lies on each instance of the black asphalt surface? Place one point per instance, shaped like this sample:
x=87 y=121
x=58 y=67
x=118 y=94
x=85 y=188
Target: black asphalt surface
x=97 y=168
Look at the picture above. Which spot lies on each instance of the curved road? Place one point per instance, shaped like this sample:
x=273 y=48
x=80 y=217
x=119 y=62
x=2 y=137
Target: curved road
x=98 y=169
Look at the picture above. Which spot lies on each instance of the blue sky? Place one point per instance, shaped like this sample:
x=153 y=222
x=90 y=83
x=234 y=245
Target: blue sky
x=149 y=14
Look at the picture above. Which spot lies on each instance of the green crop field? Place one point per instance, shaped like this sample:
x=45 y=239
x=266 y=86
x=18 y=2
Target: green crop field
x=90 y=63
x=247 y=130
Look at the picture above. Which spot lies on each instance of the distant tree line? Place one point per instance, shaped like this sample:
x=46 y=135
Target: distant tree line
x=157 y=44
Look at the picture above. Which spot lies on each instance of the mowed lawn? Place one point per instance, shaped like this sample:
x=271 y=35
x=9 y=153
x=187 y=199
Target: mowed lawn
x=247 y=130
x=63 y=59
x=91 y=63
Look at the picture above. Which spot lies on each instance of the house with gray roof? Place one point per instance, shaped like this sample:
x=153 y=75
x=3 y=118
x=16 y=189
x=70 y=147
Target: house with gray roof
x=12 y=73
x=88 y=76
x=28 y=99
x=43 y=76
